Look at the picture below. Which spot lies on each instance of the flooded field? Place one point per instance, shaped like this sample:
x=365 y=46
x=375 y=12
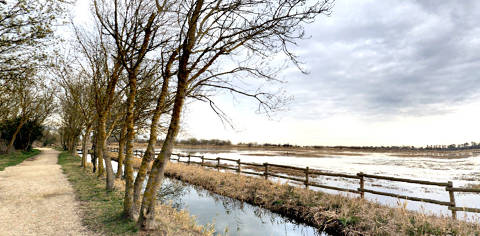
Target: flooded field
x=462 y=171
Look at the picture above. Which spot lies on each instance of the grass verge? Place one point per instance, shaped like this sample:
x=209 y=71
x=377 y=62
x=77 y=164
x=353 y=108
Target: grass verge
x=102 y=211
x=334 y=214
x=16 y=157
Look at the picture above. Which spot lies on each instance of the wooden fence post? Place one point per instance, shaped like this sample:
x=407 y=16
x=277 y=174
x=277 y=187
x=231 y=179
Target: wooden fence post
x=203 y=161
x=218 y=163
x=188 y=159
x=362 y=185
x=239 y=168
x=266 y=170
x=452 y=199
x=306 y=177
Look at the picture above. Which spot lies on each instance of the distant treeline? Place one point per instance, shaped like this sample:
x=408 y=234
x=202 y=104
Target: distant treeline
x=194 y=141
x=463 y=146
x=253 y=144
x=218 y=142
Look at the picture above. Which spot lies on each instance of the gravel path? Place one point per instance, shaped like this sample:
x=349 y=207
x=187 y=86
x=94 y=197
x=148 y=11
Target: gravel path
x=37 y=199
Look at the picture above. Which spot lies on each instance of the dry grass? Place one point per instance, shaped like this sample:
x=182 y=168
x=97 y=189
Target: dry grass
x=334 y=214
x=102 y=211
x=473 y=186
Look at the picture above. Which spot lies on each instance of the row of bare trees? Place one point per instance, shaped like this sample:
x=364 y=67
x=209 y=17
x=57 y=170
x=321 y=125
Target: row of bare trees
x=26 y=33
x=140 y=62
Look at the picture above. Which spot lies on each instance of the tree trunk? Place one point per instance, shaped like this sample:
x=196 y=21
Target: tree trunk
x=86 y=138
x=128 y=209
x=72 y=143
x=121 y=148
x=100 y=143
x=146 y=160
x=147 y=212
x=102 y=154
x=146 y=219
x=150 y=151
x=10 y=147
x=94 y=153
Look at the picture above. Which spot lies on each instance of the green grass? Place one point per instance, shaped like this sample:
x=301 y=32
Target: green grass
x=16 y=157
x=102 y=210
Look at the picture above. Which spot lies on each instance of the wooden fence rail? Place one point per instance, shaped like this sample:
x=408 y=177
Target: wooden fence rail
x=267 y=171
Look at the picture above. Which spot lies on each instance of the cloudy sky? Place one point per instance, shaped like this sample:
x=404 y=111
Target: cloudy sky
x=382 y=72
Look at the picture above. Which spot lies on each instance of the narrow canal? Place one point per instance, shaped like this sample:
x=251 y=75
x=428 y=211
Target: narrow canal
x=228 y=216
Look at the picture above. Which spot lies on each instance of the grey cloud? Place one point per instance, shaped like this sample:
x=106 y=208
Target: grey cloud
x=390 y=58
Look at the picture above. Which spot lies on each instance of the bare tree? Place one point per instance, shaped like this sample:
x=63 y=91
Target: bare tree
x=72 y=123
x=105 y=71
x=146 y=105
x=78 y=99
x=163 y=106
x=26 y=28
x=30 y=100
x=133 y=25
x=210 y=32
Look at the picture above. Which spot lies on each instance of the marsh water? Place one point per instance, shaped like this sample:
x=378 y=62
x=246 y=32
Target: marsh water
x=228 y=216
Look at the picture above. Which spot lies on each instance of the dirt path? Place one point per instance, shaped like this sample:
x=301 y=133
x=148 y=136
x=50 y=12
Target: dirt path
x=37 y=199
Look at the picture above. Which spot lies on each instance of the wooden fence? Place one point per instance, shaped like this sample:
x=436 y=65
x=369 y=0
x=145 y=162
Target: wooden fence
x=305 y=179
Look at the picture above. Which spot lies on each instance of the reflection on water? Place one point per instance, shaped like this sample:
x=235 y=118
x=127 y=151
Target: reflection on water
x=230 y=216
x=461 y=171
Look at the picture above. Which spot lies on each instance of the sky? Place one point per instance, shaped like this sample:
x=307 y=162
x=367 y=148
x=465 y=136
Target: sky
x=381 y=72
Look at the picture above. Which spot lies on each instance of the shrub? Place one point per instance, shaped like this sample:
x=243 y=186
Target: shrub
x=29 y=132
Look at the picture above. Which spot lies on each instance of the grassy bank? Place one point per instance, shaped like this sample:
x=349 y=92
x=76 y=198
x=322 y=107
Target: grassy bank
x=102 y=210
x=334 y=214
x=16 y=158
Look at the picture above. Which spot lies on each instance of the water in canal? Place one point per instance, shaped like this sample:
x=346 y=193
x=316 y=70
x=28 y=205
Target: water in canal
x=230 y=216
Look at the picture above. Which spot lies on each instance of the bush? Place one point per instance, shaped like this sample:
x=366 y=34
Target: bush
x=29 y=132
